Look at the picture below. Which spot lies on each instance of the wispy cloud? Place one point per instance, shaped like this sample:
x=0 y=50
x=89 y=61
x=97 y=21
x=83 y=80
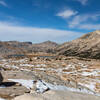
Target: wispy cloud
x=84 y=21
x=3 y=3
x=34 y=34
x=89 y=26
x=67 y=13
x=83 y=2
x=80 y=21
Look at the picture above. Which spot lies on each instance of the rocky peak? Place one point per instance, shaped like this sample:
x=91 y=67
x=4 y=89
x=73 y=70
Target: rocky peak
x=49 y=42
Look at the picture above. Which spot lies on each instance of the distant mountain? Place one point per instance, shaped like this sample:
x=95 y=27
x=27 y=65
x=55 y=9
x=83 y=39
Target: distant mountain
x=7 y=48
x=15 y=47
x=47 y=46
x=87 y=46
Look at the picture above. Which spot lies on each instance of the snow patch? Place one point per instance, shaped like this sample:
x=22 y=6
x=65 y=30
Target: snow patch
x=39 y=65
x=42 y=86
x=27 y=65
x=27 y=83
x=94 y=73
x=91 y=86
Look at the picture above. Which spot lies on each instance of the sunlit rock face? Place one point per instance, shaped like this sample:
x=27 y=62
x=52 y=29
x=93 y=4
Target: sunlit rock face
x=87 y=46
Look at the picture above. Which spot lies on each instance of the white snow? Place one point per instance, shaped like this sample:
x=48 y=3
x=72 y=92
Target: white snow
x=27 y=83
x=94 y=73
x=24 y=69
x=15 y=67
x=27 y=65
x=12 y=66
x=91 y=86
x=42 y=86
x=39 y=65
x=42 y=69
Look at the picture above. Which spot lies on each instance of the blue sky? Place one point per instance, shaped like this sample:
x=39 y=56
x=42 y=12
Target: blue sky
x=42 y=20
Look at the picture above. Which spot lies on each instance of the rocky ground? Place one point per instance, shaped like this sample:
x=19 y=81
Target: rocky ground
x=58 y=73
x=57 y=95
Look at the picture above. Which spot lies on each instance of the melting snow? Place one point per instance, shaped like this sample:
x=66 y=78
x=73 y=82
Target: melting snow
x=24 y=69
x=27 y=65
x=42 y=86
x=40 y=69
x=39 y=65
x=27 y=83
x=90 y=86
x=94 y=73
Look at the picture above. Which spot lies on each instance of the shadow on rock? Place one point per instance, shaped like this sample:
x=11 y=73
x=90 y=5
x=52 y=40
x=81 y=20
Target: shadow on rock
x=8 y=84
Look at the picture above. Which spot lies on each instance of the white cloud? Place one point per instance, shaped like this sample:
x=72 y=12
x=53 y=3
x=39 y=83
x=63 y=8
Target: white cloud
x=81 y=21
x=78 y=20
x=3 y=3
x=67 y=13
x=90 y=26
x=83 y=2
x=10 y=32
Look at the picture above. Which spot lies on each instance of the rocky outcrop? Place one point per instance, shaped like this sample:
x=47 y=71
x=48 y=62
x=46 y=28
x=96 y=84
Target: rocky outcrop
x=1 y=78
x=87 y=46
x=57 y=95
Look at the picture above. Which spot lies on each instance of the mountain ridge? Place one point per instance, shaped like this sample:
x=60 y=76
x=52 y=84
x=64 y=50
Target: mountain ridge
x=15 y=47
x=87 y=46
